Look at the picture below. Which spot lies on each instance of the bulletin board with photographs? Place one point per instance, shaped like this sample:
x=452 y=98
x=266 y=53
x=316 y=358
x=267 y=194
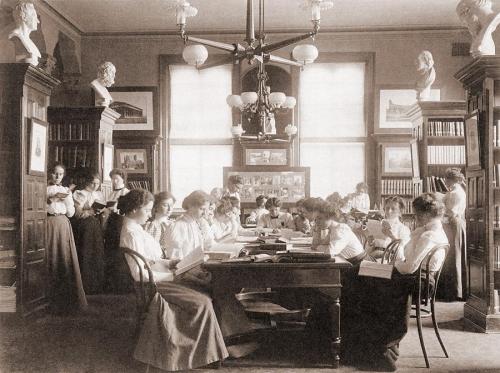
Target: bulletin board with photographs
x=289 y=184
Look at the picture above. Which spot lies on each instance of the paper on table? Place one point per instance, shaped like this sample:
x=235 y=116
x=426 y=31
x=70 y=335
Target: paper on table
x=374 y=228
x=374 y=269
x=246 y=238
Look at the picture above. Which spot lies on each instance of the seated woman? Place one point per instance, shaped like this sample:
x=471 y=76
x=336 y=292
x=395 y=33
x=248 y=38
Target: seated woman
x=226 y=224
x=181 y=330
x=392 y=228
x=302 y=224
x=160 y=220
x=260 y=210
x=377 y=310
x=336 y=238
x=275 y=219
x=88 y=232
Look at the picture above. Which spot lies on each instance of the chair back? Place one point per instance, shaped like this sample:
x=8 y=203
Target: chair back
x=145 y=288
x=391 y=251
x=424 y=275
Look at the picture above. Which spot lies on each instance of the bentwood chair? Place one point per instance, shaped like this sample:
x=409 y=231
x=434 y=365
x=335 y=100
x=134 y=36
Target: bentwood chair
x=390 y=252
x=425 y=291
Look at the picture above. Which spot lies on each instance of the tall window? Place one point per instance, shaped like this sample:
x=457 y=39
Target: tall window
x=332 y=126
x=200 y=120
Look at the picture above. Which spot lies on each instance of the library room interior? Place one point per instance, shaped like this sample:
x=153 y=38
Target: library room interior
x=249 y=186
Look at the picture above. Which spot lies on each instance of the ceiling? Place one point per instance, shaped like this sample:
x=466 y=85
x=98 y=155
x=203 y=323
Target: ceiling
x=129 y=16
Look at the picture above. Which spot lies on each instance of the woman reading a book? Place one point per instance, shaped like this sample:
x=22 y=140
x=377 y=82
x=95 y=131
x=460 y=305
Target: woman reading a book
x=376 y=310
x=87 y=228
x=225 y=225
x=181 y=330
x=159 y=222
x=64 y=269
x=275 y=219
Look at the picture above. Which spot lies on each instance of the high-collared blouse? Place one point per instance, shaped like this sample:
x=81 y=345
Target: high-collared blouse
x=360 y=202
x=399 y=230
x=338 y=239
x=83 y=202
x=283 y=220
x=422 y=241
x=158 y=228
x=117 y=193
x=184 y=235
x=63 y=207
x=455 y=201
x=134 y=237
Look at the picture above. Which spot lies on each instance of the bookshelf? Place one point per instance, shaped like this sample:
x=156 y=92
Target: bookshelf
x=77 y=136
x=481 y=80
x=25 y=91
x=438 y=128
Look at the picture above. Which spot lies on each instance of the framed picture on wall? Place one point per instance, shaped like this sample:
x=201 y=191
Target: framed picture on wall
x=138 y=107
x=396 y=159
x=472 y=142
x=392 y=105
x=107 y=161
x=133 y=161
x=255 y=154
x=37 y=157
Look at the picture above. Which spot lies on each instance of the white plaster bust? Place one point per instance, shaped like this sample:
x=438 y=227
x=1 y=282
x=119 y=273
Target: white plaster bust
x=426 y=75
x=105 y=78
x=26 y=21
x=481 y=21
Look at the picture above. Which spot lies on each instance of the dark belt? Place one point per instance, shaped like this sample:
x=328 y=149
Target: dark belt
x=49 y=214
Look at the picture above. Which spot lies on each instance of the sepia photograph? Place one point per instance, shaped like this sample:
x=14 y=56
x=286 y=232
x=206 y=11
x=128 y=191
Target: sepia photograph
x=132 y=160
x=38 y=147
x=135 y=106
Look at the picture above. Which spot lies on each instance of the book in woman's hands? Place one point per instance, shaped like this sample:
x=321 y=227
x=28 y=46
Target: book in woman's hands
x=61 y=195
x=97 y=205
x=194 y=259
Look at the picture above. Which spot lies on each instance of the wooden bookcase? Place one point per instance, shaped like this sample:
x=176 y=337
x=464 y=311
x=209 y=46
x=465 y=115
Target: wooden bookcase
x=25 y=95
x=481 y=79
x=77 y=136
x=438 y=128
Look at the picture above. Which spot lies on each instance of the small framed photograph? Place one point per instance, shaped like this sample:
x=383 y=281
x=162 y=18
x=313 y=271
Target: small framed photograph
x=134 y=161
x=137 y=107
x=266 y=155
x=472 y=142
x=392 y=105
x=396 y=159
x=414 y=159
x=107 y=161
x=37 y=160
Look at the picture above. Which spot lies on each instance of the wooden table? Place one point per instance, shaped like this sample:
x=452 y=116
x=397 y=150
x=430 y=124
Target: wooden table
x=324 y=276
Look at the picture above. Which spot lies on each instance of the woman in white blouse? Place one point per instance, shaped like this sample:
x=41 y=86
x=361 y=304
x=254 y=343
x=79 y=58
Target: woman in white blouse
x=275 y=219
x=158 y=225
x=181 y=330
x=65 y=280
x=454 y=276
x=225 y=225
x=88 y=232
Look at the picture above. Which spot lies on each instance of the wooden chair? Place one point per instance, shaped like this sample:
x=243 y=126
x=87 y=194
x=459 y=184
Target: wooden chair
x=424 y=305
x=145 y=288
x=391 y=251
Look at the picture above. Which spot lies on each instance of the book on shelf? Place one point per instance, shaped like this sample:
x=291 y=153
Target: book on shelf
x=140 y=184
x=497 y=255
x=435 y=184
x=496 y=217
x=446 y=154
x=496 y=175
x=397 y=186
x=443 y=127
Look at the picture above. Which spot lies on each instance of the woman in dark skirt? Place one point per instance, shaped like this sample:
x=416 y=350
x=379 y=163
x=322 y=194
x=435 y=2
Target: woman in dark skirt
x=88 y=234
x=66 y=288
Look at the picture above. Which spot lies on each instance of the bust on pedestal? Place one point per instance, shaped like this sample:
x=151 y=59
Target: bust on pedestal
x=427 y=75
x=105 y=78
x=26 y=21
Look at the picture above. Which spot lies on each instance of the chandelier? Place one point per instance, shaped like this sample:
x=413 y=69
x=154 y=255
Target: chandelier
x=263 y=103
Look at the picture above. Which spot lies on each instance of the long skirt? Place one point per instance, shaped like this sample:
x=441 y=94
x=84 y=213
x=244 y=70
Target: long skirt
x=66 y=290
x=180 y=331
x=453 y=280
x=90 y=247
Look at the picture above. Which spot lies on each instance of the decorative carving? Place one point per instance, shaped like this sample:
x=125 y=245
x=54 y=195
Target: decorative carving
x=481 y=21
x=427 y=75
x=105 y=78
x=26 y=21
x=47 y=63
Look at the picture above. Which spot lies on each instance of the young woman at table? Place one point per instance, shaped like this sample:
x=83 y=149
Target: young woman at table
x=181 y=330
x=88 y=233
x=275 y=219
x=260 y=210
x=226 y=224
x=159 y=222
x=454 y=275
x=302 y=224
x=376 y=311
x=64 y=271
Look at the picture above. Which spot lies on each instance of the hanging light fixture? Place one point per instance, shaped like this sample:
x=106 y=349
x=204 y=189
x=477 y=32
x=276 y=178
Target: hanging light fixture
x=263 y=103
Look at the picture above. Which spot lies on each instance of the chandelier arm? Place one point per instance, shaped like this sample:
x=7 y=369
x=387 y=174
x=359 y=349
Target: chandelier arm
x=285 y=61
x=280 y=44
x=223 y=46
x=221 y=61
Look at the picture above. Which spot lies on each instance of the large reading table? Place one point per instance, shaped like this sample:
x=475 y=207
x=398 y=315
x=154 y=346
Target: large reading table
x=321 y=275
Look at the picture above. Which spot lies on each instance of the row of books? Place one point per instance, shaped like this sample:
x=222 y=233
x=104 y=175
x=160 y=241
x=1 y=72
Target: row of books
x=71 y=131
x=496 y=175
x=446 y=154
x=497 y=256
x=398 y=186
x=445 y=128
x=434 y=184
x=496 y=133
x=73 y=156
x=140 y=184
x=496 y=217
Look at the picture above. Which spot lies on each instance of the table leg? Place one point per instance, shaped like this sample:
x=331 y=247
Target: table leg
x=336 y=340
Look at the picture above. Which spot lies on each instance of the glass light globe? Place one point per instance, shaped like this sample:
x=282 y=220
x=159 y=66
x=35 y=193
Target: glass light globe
x=290 y=102
x=290 y=130
x=305 y=53
x=249 y=98
x=234 y=101
x=277 y=98
x=237 y=131
x=195 y=55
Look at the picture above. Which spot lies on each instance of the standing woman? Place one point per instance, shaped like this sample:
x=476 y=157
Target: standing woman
x=454 y=276
x=88 y=234
x=65 y=280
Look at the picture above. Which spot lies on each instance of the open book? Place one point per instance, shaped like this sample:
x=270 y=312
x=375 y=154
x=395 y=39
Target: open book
x=194 y=259
x=374 y=269
x=374 y=228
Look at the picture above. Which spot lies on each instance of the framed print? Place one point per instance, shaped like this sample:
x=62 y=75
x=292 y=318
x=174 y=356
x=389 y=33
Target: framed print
x=37 y=158
x=134 y=161
x=266 y=157
x=137 y=107
x=414 y=159
x=472 y=142
x=107 y=161
x=392 y=105
x=396 y=159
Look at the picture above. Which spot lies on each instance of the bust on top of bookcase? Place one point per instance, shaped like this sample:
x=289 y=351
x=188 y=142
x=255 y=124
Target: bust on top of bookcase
x=438 y=128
